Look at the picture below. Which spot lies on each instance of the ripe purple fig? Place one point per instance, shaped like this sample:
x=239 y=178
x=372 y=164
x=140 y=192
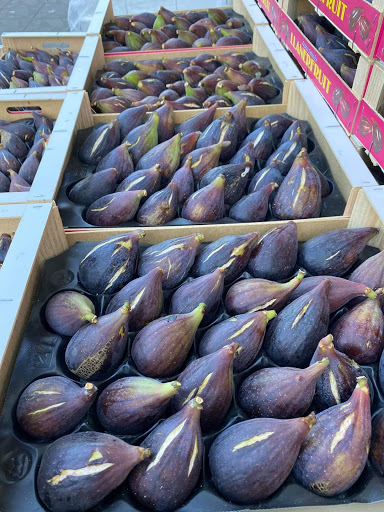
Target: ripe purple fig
x=249 y=461
x=160 y=208
x=67 y=311
x=132 y=405
x=53 y=406
x=207 y=204
x=280 y=392
x=342 y=433
x=376 y=455
x=114 y=209
x=253 y=207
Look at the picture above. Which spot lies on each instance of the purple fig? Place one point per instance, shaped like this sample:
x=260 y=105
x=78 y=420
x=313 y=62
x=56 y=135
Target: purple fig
x=266 y=176
x=100 y=142
x=161 y=347
x=166 y=154
x=247 y=330
x=376 y=453
x=94 y=187
x=343 y=431
x=132 y=405
x=183 y=179
x=246 y=154
x=160 y=208
x=142 y=139
x=79 y=470
x=279 y=124
x=8 y=161
x=207 y=204
x=263 y=142
x=147 y=179
x=198 y=122
x=222 y=129
x=5 y=183
x=175 y=257
x=53 y=406
x=165 y=128
x=205 y=159
x=114 y=209
x=187 y=145
x=370 y=272
x=253 y=207
x=17 y=183
x=335 y=252
x=119 y=159
x=67 y=311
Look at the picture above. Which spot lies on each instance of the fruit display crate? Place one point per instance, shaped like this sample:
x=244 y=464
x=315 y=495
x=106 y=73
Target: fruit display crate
x=42 y=228
x=245 y=8
x=10 y=216
x=271 y=9
x=346 y=170
x=15 y=108
x=88 y=47
x=359 y=21
x=266 y=47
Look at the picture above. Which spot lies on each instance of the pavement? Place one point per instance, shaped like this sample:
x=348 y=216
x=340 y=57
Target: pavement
x=33 y=16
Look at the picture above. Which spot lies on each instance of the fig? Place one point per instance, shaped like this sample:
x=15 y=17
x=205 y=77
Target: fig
x=132 y=405
x=67 y=311
x=88 y=190
x=114 y=209
x=147 y=179
x=183 y=179
x=279 y=124
x=165 y=127
x=142 y=139
x=260 y=294
x=119 y=159
x=370 y=272
x=29 y=167
x=79 y=470
x=247 y=330
x=173 y=470
x=160 y=208
x=175 y=257
x=161 y=347
x=100 y=142
x=111 y=264
x=207 y=204
x=335 y=252
x=280 y=392
x=166 y=154
x=249 y=461
x=263 y=142
x=376 y=453
x=253 y=207
x=236 y=178
x=342 y=432
x=53 y=406
x=230 y=252
x=222 y=129
x=275 y=255
x=292 y=338
x=211 y=378
x=286 y=153
x=205 y=159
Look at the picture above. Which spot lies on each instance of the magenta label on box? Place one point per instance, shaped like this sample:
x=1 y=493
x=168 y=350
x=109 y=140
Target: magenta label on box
x=333 y=89
x=369 y=129
x=271 y=9
x=357 y=19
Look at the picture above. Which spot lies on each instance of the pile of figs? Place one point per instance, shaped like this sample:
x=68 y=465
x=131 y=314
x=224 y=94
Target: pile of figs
x=22 y=144
x=168 y=31
x=183 y=83
x=184 y=321
x=334 y=48
x=210 y=169
x=36 y=68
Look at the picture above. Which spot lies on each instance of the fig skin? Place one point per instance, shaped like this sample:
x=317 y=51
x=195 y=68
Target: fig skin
x=230 y=252
x=275 y=255
x=175 y=257
x=251 y=460
x=211 y=378
x=96 y=350
x=247 y=330
x=166 y=480
x=292 y=338
x=335 y=452
x=53 y=406
x=67 y=311
x=111 y=264
x=370 y=272
x=260 y=294
x=160 y=349
x=359 y=333
x=280 y=392
x=341 y=290
x=145 y=296
x=337 y=383
x=132 y=405
x=335 y=252
x=376 y=455
x=79 y=470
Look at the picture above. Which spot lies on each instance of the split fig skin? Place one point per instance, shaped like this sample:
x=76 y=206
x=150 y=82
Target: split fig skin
x=79 y=470
x=335 y=451
x=166 y=480
x=53 y=406
x=251 y=460
x=281 y=393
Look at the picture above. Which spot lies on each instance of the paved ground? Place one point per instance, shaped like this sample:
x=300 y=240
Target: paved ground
x=33 y=16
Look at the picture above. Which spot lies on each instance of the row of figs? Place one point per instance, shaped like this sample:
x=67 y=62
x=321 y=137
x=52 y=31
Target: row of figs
x=184 y=83
x=208 y=170
x=168 y=30
x=271 y=309
x=36 y=68
x=22 y=145
x=334 y=48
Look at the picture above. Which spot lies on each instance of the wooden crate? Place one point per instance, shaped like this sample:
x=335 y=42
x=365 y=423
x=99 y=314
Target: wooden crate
x=247 y=8
x=57 y=108
x=88 y=47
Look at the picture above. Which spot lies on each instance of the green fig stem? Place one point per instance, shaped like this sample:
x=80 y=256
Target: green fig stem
x=126 y=308
x=270 y=314
x=90 y=387
x=362 y=383
x=176 y=384
x=370 y=293
x=199 y=237
x=324 y=361
x=300 y=275
x=90 y=317
x=145 y=452
x=198 y=314
x=310 y=420
x=196 y=403
x=326 y=343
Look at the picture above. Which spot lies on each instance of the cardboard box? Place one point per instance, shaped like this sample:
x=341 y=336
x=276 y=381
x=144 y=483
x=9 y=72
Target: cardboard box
x=88 y=48
x=247 y=8
x=10 y=216
x=55 y=107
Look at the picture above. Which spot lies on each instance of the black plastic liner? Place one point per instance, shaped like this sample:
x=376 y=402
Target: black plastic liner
x=41 y=354
x=73 y=215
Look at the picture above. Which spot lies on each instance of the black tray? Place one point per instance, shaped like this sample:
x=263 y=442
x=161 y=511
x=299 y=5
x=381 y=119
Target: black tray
x=41 y=354
x=73 y=215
